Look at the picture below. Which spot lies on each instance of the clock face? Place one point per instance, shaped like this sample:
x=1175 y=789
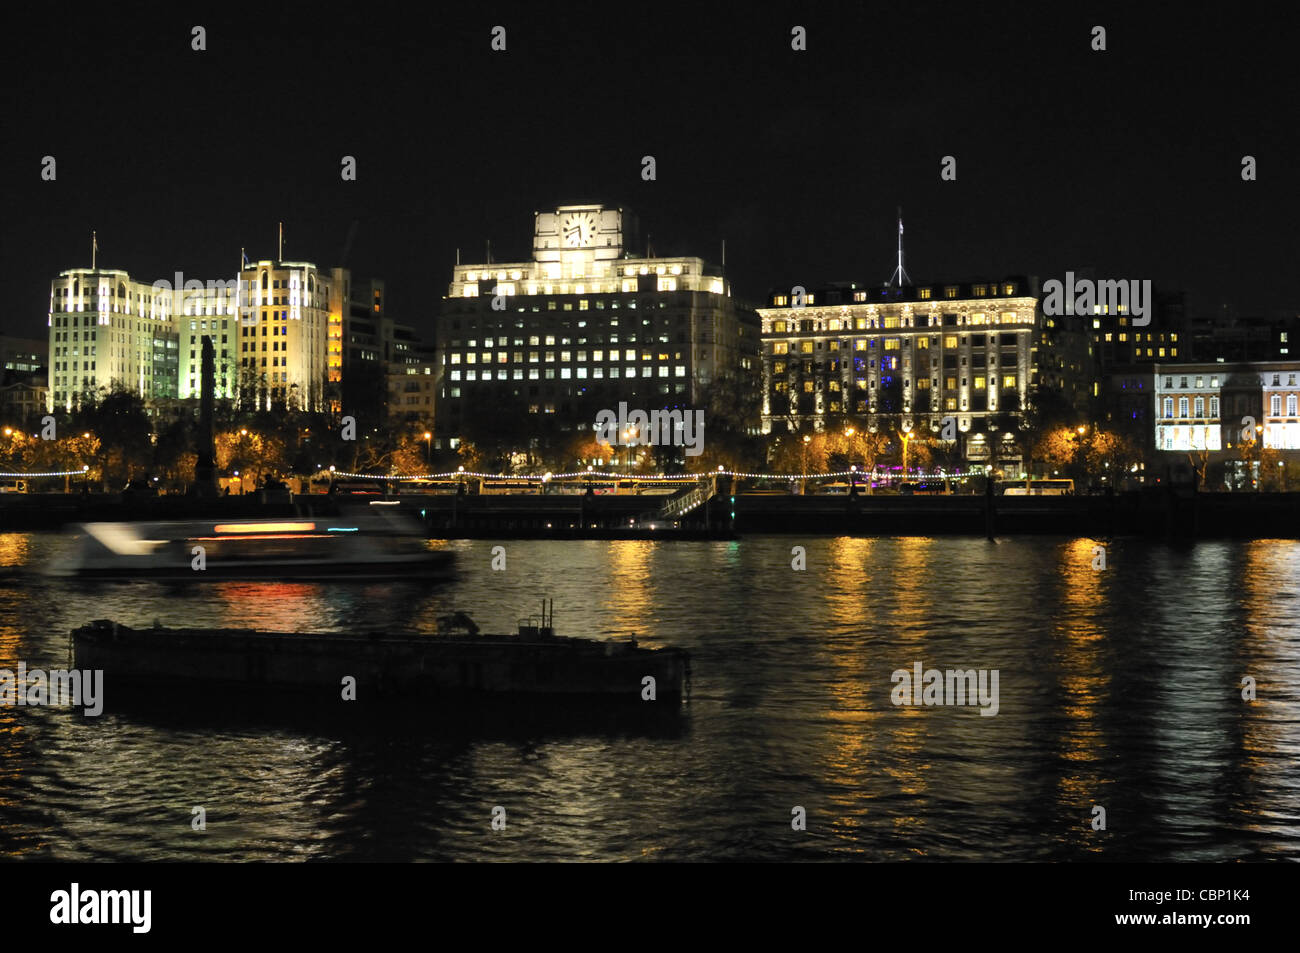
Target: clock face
x=578 y=229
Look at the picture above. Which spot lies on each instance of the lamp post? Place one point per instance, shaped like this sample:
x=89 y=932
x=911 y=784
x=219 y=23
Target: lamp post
x=907 y=436
x=1077 y=440
x=803 y=468
x=428 y=448
x=1258 y=450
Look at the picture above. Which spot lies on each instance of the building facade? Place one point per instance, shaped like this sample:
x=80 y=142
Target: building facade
x=1215 y=406
x=904 y=358
x=107 y=329
x=277 y=330
x=585 y=325
x=284 y=322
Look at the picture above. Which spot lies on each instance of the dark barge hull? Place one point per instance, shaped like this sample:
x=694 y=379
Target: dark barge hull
x=392 y=667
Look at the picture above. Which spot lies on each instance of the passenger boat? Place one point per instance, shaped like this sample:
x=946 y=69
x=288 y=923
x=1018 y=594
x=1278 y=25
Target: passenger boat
x=365 y=546
x=455 y=663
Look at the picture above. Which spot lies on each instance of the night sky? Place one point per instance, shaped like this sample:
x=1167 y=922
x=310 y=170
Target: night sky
x=1128 y=160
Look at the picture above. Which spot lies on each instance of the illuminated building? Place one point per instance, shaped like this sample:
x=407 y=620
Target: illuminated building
x=584 y=325
x=283 y=330
x=207 y=312
x=106 y=328
x=1212 y=406
x=905 y=357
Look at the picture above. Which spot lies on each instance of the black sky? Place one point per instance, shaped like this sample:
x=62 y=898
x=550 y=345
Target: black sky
x=1127 y=160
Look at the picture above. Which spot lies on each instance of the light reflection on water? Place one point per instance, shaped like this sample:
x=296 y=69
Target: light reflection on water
x=1119 y=688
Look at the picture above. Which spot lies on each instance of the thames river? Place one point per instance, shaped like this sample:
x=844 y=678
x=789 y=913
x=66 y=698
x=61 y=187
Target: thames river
x=1119 y=689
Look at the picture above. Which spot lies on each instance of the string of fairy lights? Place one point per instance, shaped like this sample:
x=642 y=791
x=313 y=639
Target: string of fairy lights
x=587 y=474
x=52 y=473
x=676 y=477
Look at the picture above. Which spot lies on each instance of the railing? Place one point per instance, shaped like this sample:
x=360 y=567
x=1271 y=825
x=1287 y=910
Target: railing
x=679 y=505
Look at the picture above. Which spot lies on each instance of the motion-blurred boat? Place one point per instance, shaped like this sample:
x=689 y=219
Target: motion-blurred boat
x=366 y=546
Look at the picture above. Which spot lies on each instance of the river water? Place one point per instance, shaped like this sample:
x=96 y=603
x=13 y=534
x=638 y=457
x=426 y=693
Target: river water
x=1118 y=688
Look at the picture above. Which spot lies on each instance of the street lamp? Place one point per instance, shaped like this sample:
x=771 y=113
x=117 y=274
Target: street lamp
x=428 y=448
x=803 y=467
x=627 y=442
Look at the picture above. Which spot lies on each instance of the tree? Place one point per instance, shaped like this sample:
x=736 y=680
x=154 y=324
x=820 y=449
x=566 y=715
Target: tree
x=252 y=454
x=733 y=417
x=855 y=445
x=174 y=457
x=1057 y=449
x=122 y=426
x=1111 y=455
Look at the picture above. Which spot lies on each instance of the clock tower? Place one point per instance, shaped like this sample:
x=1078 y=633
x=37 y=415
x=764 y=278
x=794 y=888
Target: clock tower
x=578 y=232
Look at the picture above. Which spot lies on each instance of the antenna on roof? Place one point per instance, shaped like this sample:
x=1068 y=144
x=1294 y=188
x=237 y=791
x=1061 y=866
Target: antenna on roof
x=900 y=277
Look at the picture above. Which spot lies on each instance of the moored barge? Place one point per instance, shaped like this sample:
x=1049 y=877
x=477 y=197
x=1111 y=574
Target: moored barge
x=454 y=664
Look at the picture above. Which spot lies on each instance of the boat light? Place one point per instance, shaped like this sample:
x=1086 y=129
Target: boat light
x=263 y=527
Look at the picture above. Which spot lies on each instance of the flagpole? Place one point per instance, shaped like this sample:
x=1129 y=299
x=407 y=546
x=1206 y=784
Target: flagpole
x=94 y=250
x=281 y=258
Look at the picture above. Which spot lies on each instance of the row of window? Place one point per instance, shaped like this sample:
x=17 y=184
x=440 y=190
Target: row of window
x=579 y=373
x=950 y=292
x=890 y=321
x=455 y=392
x=517 y=357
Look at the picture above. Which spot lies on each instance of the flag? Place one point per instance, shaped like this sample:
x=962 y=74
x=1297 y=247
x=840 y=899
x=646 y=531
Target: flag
x=244 y=254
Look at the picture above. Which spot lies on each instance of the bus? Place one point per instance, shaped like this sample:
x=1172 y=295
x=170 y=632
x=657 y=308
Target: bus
x=510 y=487
x=636 y=487
x=430 y=487
x=1037 y=487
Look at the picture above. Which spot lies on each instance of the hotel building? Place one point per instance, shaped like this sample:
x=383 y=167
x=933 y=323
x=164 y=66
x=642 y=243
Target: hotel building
x=905 y=357
x=585 y=324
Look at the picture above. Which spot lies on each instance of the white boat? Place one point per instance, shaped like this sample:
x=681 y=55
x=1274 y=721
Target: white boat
x=365 y=546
